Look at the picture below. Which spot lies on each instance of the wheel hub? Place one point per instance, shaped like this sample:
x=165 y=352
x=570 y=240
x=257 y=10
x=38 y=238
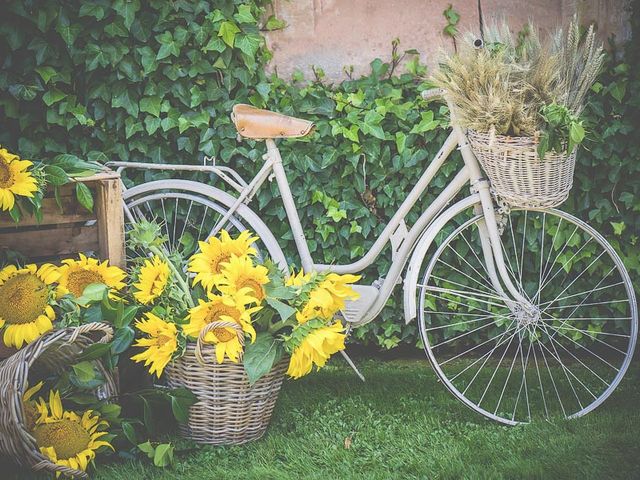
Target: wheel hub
x=527 y=315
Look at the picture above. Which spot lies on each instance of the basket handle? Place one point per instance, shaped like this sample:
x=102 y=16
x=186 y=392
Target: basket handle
x=210 y=327
x=105 y=329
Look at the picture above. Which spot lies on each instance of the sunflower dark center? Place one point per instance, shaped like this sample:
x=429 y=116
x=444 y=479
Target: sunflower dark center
x=217 y=311
x=6 y=178
x=79 y=280
x=215 y=261
x=253 y=285
x=67 y=437
x=22 y=298
x=223 y=334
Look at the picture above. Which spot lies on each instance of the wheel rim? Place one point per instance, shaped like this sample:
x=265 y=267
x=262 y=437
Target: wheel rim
x=184 y=219
x=561 y=354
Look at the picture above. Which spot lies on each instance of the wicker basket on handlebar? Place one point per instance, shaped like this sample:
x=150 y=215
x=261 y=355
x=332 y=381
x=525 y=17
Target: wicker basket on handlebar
x=229 y=410
x=52 y=353
x=517 y=174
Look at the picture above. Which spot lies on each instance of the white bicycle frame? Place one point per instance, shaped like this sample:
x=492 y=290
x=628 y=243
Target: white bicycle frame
x=404 y=241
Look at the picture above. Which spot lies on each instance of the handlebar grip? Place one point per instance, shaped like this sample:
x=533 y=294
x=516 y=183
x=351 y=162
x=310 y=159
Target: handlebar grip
x=432 y=93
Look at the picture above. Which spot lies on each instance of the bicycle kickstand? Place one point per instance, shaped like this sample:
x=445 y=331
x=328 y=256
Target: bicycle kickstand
x=352 y=365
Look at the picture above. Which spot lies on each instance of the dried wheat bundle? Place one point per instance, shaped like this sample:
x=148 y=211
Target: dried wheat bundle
x=503 y=86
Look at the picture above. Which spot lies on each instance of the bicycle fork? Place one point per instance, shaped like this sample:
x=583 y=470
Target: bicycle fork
x=517 y=302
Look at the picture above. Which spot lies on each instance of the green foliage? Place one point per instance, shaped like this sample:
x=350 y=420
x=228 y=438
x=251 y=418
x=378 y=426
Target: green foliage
x=563 y=132
x=155 y=82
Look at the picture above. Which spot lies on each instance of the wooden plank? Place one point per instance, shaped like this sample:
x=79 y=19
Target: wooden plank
x=110 y=217
x=72 y=212
x=50 y=242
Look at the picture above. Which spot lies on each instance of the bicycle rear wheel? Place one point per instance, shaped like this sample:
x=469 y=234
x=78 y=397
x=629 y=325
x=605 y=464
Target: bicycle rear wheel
x=559 y=355
x=188 y=212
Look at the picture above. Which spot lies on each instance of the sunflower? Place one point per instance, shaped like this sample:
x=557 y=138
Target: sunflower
x=29 y=406
x=76 y=275
x=316 y=348
x=15 y=179
x=298 y=279
x=227 y=308
x=208 y=263
x=328 y=298
x=152 y=280
x=160 y=345
x=25 y=313
x=239 y=273
x=66 y=438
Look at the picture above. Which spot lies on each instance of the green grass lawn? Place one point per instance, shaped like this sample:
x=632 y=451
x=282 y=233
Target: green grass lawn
x=403 y=424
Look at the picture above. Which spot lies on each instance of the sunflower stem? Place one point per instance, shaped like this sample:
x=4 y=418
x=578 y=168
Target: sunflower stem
x=275 y=327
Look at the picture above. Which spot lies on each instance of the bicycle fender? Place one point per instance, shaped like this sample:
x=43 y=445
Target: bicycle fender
x=420 y=251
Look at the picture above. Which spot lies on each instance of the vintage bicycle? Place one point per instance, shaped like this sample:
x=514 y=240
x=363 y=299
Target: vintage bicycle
x=523 y=313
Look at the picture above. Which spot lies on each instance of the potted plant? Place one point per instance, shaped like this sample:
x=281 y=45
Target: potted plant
x=521 y=100
x=227 y=324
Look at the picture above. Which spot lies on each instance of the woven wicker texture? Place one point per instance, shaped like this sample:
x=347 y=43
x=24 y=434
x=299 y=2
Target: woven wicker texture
x=51 y=353
x=229 y=410
x=518 y=175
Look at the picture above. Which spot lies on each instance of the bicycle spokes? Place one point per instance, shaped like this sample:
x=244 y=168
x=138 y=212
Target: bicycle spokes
x=559 y=353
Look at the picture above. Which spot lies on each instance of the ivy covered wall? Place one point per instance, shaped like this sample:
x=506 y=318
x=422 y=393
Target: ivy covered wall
x=155 y=82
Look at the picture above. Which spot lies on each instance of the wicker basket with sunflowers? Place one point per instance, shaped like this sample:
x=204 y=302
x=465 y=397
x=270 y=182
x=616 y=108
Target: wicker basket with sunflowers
x=230 y=327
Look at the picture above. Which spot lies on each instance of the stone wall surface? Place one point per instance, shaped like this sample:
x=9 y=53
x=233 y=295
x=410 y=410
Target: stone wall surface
x=334 y=33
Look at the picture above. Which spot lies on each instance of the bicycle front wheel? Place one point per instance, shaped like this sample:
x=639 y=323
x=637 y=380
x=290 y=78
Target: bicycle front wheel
x=560 y=354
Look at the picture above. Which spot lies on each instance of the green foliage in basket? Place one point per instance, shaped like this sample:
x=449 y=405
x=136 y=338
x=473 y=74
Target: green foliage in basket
x=346 y=184
x=564 y=130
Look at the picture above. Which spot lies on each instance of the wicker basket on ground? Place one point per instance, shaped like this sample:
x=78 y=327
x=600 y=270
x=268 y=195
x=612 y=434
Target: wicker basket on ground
x=229 y=410
x=518 y=175
x=51 y=353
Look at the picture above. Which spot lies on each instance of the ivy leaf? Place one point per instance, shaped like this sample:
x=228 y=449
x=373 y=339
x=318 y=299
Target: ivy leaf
x=426 y=123
x=401 y=140
x=92 y=10
x=274 y=23
x=46 y=73
x=124 y=100
x=52 y=96
x=127 y=9
x=69 y=33
x=244 y=14
x=618 y=227
x=96 y=56
x=248 y=44
x=215 y=44
x=151 y=105
x=228 y=32
x=84 y=196
x=169 y=46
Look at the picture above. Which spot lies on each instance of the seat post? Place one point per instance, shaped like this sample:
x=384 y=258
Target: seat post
x=289 y=205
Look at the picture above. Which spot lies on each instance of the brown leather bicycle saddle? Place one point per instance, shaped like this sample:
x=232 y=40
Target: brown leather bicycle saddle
x=252 y=122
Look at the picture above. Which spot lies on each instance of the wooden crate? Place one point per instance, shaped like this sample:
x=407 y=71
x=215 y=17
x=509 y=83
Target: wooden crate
x=63 y=234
